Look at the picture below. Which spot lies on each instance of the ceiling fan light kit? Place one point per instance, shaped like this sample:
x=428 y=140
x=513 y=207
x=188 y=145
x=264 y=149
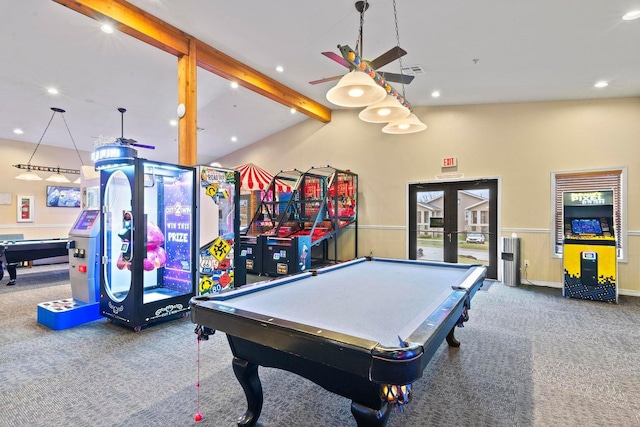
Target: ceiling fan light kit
x=356 y=89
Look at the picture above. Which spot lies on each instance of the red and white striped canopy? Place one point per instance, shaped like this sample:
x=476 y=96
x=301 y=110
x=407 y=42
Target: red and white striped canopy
x=253 y=177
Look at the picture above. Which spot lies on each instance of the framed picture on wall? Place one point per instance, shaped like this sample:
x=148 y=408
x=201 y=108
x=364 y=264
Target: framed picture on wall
x=25 y=208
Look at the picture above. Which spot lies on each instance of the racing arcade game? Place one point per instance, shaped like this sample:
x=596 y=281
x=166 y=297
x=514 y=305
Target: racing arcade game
x=148 y=241
x=590 y=247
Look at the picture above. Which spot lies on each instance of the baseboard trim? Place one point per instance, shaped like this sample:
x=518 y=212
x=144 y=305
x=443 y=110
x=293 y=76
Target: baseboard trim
x=558 y=285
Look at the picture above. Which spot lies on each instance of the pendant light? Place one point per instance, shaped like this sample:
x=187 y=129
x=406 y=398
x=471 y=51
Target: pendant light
x=356 y=89
x=409 y=124
x=387 y=110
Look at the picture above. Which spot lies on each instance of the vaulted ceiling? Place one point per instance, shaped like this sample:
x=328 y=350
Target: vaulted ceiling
x=472 y=52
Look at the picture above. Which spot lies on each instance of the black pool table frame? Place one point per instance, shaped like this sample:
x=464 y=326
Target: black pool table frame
x=352 y=367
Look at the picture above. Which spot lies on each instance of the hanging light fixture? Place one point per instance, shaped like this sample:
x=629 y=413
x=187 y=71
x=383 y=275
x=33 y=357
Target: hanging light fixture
x=356 y=89
x=409 y=124
x=57 y=172
x=387 y=110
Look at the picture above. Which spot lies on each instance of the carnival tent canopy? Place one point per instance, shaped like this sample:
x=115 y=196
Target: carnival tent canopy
x=253 y=177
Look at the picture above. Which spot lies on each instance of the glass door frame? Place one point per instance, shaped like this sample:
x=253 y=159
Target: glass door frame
x=450 y=189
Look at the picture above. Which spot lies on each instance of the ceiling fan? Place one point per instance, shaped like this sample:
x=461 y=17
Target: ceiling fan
x=382 y=60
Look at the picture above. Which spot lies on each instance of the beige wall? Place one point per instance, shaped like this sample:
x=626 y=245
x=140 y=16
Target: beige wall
x=521 y=144
x=48 y=222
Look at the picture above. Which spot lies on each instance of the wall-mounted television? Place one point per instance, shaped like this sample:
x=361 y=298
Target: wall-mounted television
x=63 y=197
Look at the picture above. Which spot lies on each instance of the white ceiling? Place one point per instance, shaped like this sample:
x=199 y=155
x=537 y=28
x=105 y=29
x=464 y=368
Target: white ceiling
x=474 y=52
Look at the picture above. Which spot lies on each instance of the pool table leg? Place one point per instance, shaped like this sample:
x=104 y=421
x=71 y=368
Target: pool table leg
x=370 y=417
x=247 y=375
x=451 y=339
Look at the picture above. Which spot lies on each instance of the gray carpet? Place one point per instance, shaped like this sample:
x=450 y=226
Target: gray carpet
x=528 y=358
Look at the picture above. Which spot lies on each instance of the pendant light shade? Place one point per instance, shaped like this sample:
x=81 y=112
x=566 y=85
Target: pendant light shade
x=58 y=177
x=387 y=110
x=356 y=89
x=409 y=124
x=29 y=175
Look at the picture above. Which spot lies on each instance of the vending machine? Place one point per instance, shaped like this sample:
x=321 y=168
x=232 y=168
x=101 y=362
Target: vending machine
x=590 y=246
x=148 y=238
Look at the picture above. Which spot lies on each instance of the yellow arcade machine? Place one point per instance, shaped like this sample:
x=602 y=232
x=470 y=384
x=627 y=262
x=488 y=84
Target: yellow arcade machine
x=590 y=247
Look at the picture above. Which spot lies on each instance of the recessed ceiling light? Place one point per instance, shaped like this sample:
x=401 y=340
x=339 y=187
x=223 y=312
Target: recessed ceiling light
x=18 y=131
x=630 y=16
x=293 y=111
x=234 y=85
x=279 y=68
x=53 y=91
x=234 y=139
x=601 y=84
x=435 y=93
x=106 y=28
x=173 y=122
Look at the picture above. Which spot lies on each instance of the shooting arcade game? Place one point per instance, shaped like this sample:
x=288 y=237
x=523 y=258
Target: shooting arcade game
x=273 y=202
x=148 y=240
x=590 y=247
x=321 y=206
x=220 y=265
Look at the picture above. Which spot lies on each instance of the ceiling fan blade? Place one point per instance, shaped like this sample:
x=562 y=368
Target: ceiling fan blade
x=326 y=79
x=339 y=59
x=397 y=78
x=387 y=57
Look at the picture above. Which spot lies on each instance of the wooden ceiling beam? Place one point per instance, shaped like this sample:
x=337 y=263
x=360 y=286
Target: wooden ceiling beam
x=149 y=29
x=230 y=68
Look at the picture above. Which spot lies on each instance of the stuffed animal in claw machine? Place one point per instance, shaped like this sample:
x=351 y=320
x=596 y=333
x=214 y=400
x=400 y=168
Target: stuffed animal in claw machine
x=156 y=256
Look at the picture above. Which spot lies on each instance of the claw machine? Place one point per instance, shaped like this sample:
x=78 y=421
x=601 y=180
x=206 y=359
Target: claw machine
x=148 y=240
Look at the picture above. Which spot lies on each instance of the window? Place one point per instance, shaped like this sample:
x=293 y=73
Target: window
x=614 y=179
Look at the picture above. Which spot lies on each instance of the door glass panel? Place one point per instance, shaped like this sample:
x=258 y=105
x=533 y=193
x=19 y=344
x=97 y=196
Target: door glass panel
x=473 y=226
x=430 y=226
x=117 y=236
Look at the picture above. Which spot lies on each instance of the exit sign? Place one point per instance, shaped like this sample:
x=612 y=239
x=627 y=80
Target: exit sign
x=449 y=162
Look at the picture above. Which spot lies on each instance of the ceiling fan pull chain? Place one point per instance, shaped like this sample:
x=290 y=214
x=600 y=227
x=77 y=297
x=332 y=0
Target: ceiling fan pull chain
x=395 y=17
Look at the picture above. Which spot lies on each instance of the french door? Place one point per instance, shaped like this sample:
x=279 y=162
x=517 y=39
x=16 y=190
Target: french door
x=455 y=222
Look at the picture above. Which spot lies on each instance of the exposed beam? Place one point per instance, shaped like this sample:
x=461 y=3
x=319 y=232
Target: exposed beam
x=143 y=26
x=230 y=68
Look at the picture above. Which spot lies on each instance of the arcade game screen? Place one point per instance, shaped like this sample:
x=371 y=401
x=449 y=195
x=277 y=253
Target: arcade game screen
x=586 y=226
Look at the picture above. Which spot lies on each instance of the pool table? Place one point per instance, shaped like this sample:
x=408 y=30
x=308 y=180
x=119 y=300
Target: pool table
x=15 y=251
x=354 y=328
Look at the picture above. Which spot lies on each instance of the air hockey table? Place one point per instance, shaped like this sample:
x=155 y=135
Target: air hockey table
x=15 y=251
x=363 y=329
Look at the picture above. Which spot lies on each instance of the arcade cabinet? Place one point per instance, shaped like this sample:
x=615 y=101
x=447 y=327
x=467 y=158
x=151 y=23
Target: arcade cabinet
x=321 y=207
x=273 y=202
x=221 y=266
x=148 y=237
x=590 y=247
x=84 y=263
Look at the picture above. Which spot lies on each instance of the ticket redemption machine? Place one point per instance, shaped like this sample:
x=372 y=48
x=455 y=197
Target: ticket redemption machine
x=221 y=265
x=84 y=263
x=590 y=247
x=147 y=238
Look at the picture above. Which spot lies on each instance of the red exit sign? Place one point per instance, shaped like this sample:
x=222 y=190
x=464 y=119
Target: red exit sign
x=448 y=162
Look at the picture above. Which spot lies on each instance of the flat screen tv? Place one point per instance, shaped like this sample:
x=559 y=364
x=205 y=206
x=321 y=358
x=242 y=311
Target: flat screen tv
x=63 y=197
x=581 y=226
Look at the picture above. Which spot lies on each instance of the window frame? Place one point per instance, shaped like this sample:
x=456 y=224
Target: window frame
x=621 y=234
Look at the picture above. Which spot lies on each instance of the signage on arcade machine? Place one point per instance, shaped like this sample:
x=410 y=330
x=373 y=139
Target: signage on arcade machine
x=178 y=221
x=590 y=248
